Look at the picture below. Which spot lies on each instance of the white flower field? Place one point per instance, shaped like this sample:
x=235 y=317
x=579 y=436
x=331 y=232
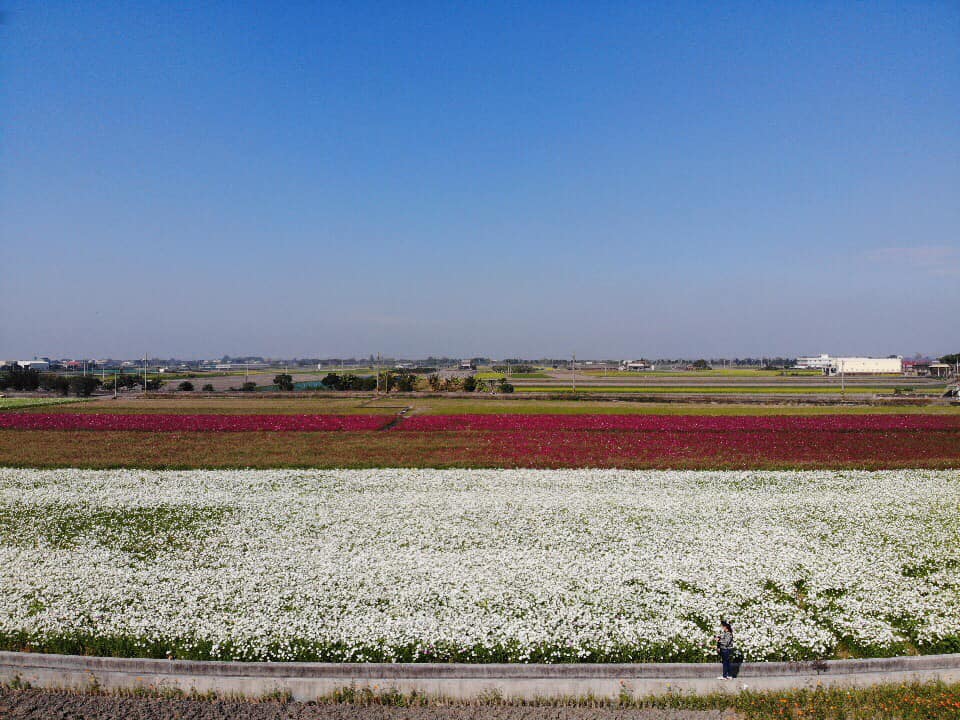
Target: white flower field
x=479 y=565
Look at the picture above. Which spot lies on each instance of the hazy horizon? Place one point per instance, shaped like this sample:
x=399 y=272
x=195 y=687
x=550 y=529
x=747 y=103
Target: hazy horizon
x=616 y=180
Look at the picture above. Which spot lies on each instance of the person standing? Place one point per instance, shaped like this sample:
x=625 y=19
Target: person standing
x=725 y=648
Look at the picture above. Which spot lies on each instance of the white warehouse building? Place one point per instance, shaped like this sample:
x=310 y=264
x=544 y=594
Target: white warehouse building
x=852 y=365
x=867 y=366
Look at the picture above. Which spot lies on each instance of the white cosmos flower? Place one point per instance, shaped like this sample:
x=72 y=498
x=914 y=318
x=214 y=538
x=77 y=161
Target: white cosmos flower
x=555 y=564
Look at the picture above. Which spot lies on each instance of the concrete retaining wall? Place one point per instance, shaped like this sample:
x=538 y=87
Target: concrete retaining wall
x=307 y=681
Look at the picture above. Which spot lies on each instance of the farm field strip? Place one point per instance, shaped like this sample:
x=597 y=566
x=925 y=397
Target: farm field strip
x=718 y=372
x=709 y=389
x=479 y=566
x=16 y=403
x=481 y=449
x=440 y=405
x=232 y=405
x=157 y=422
x=679 y=423
x=192 y=423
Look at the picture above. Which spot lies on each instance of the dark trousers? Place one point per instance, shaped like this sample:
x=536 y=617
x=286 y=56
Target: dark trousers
x=725 y=659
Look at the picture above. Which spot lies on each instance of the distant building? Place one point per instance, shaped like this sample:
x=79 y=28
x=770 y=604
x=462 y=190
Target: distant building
x=852 y=365
x=917 y=367
x=866 y=366
x=468 y=365
x=940 y=370
x=820 y=362
x=34 y=364
x=637 y=366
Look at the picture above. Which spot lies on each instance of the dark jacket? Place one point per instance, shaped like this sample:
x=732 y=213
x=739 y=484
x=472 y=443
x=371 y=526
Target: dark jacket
x=725 y=640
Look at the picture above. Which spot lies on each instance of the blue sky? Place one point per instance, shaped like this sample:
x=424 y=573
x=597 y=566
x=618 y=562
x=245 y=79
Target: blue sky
x=502 y=179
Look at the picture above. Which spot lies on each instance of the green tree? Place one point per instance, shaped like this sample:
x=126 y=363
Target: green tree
x=52 y=382
x=283 y=382
x=207 y=388
x=405 y=382
x=19 y=378
x=83 y=385
x=469 y=383
x=702 y=365
x=185 y=386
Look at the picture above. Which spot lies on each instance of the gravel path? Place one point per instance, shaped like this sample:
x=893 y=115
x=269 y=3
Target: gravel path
x=23 y=704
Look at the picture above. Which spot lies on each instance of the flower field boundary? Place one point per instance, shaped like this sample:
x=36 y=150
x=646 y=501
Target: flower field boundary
x=532 y=682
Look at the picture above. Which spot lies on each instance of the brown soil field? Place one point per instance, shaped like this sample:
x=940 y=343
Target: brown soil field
x=38 y=705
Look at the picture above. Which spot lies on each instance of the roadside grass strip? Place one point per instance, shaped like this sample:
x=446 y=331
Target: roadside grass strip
x=479 y=565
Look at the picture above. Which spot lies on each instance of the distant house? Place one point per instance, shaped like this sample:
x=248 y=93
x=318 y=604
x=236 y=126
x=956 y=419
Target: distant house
x=917 y=368
x=468 y=365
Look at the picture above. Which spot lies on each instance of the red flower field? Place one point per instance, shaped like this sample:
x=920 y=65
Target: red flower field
x=545 y=441
x=680 y=423
x=697 y=441
x=192 y=423
x=631 y=449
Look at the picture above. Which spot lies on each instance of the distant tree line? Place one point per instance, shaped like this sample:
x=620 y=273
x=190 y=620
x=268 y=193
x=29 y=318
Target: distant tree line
x=469 y=384
x=390 y=380
x=28 y=379
x=19 y=378
x=130 y=381
x=519 y=368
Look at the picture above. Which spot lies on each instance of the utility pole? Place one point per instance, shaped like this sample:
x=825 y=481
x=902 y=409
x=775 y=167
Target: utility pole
x=843 y=385
x=376 y=369
x=574 y=372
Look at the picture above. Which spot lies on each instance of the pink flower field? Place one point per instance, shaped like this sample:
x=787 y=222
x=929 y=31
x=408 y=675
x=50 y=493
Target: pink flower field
x=193 y=423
